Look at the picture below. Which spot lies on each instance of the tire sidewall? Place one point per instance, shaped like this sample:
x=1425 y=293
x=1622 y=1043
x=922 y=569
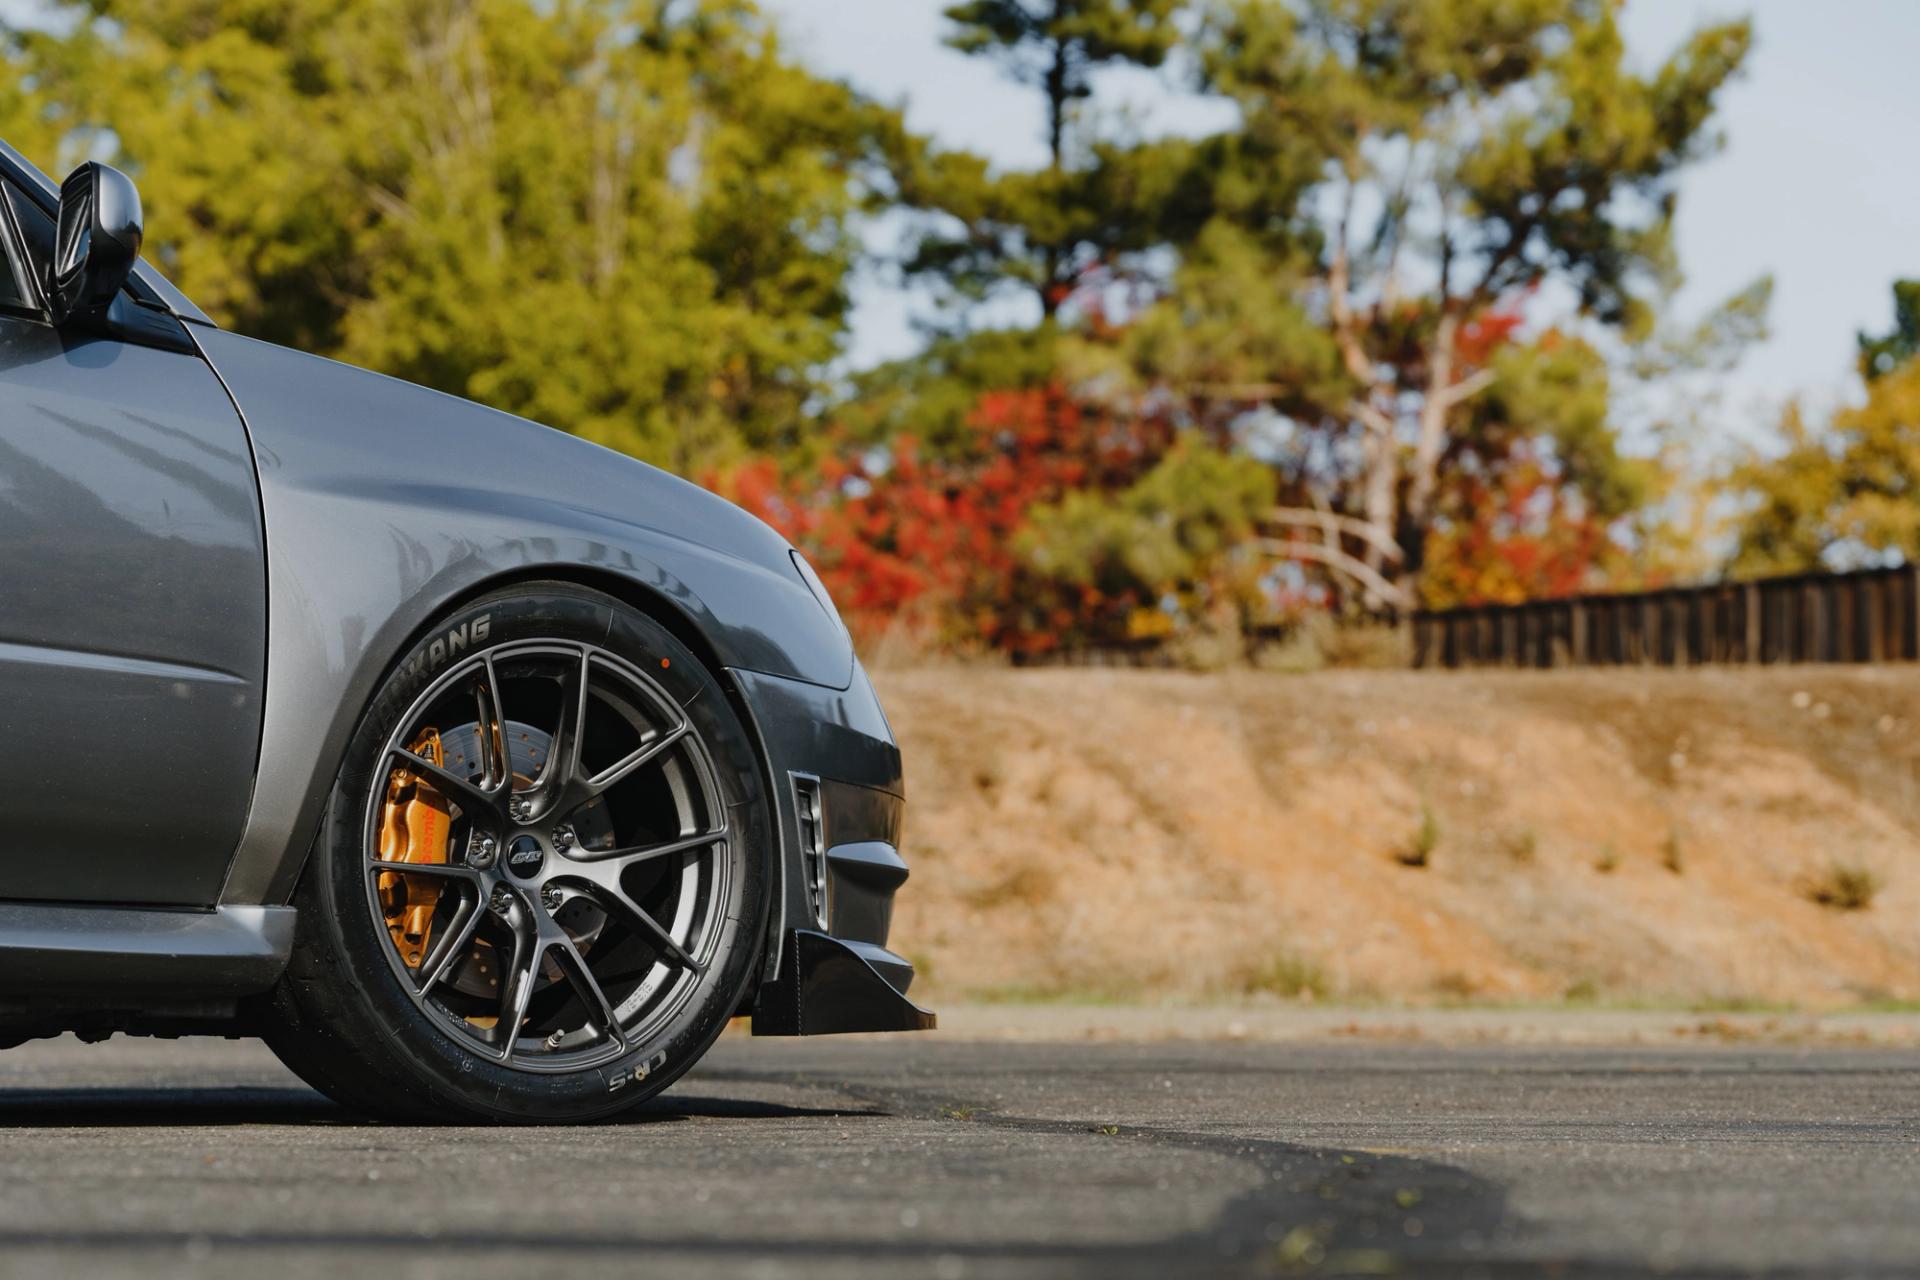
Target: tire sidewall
x=458 y=1076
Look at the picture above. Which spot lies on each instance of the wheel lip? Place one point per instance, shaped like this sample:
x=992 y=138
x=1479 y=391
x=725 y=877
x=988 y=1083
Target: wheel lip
x=693 y=747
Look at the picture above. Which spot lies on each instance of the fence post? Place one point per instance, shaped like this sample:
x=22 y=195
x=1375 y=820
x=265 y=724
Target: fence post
x=1750 y=621
x=1867 y=622
x=1910 y=616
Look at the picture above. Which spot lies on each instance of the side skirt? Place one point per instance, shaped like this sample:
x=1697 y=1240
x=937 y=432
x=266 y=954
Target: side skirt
x=126 y=957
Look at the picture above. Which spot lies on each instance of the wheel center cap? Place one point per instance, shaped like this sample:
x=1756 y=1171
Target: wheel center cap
x=525 y=857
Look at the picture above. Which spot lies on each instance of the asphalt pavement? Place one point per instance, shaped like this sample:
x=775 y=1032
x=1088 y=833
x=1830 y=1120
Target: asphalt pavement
x=918 y=1156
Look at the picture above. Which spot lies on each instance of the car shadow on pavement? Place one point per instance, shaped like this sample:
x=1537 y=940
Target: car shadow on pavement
x=82 y=1108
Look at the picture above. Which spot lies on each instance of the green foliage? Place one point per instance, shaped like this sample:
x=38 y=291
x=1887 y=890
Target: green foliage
x=1558 y=391
x=1041 y=40
x=1167 y=531
x=1837 y=496
x=1713 y=345
x=1213 y=333
x=1431 y=164
x=1882 y=355
x=933 y=396
x=638 y=219
x=1094 y=201
x=1353 y=264
x=627 y=218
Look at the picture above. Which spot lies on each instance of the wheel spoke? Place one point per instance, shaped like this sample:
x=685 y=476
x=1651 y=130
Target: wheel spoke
x=491 y=720
x=586 y=986
x=647 y=753
x=563 y=753
x=452 y=944
x=522 y=972
x=634 y=854
x=447 y=781
x=444 y=870
x=601 y=882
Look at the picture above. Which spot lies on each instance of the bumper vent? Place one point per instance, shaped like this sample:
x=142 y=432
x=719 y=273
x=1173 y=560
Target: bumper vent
x=813 y=845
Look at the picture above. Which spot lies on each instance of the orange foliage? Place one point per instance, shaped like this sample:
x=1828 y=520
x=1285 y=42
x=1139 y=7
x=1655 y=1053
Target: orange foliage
x=1517 y=535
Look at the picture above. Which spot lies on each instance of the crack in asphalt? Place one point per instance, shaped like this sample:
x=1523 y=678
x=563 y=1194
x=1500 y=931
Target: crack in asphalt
x=1321 y=1211
x=1318 y=1211
x=1301 y=1209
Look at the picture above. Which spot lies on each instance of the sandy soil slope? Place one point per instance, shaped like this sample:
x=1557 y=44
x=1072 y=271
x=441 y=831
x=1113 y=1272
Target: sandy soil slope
x=1633 y=835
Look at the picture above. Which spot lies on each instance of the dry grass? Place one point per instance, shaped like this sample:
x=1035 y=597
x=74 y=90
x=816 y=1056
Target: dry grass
x=1285 y=975
x=1150 y=834
x=1844 y=887
x=1418 y=851
x=1673 y=853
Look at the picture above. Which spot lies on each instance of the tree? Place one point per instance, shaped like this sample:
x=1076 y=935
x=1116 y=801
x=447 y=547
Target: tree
x=1047 y=232
x=1058 y=44
x=1180 y=535
x=1841 y=497
x=1471 y=157
x=1848 y=492
x=631 y=218
x=1057 y=528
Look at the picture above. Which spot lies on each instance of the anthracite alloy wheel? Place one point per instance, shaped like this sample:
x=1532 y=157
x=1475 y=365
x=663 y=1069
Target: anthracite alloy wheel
x=588 y=862
x=544 y=874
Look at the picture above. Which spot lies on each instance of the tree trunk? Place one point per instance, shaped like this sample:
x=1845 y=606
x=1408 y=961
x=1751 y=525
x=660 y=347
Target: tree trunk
x=1059 y=91
x=1379 y=496
x=1430 y=444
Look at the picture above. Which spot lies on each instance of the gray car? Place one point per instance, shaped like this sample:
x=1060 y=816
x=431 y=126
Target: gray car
x=483 y=772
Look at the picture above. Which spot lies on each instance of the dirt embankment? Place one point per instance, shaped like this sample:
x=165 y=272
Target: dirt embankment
x=1636 y=835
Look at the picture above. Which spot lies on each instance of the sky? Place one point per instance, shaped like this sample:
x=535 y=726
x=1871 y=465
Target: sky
x=1817 y=184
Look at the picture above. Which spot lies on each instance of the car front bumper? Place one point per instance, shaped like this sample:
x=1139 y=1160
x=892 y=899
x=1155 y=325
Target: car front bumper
x=839 y=799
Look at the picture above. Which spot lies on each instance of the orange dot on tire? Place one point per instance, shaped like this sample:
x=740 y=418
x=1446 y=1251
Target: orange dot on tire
x=666 y=662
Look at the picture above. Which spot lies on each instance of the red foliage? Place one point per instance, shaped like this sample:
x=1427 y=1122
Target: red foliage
x=1486 y=333
x=1519 y=534
x=929 y=543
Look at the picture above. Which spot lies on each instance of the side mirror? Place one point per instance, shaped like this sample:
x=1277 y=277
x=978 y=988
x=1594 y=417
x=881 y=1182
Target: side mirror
x=96 y=244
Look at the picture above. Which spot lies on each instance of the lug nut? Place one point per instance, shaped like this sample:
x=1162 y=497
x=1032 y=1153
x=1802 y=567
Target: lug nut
x=481 y=851
x=518 y=808
x=551 y=896
x=501 y=902
x=563 y=838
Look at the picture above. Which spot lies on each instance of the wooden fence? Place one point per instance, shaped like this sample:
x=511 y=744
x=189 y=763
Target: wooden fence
x=1869 y=616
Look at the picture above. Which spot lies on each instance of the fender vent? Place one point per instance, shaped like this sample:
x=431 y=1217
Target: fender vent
x=813 y=846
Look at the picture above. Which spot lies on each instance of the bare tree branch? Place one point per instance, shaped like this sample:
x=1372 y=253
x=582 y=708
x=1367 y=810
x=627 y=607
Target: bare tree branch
x=1371 y=417
x=1334 y=524
x=1467 y=387
x=1346 y=333
x=1339 y=562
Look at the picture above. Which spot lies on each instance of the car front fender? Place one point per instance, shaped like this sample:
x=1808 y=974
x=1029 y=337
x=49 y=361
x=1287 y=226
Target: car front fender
x=385 y=504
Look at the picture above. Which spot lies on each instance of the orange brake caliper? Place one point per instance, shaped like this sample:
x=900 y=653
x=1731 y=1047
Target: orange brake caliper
x=413 y=828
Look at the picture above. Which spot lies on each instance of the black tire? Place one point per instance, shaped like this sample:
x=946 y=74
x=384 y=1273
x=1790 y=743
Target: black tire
x=346 y=1017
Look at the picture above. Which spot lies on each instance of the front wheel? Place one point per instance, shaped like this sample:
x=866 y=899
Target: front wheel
x=544 y=871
